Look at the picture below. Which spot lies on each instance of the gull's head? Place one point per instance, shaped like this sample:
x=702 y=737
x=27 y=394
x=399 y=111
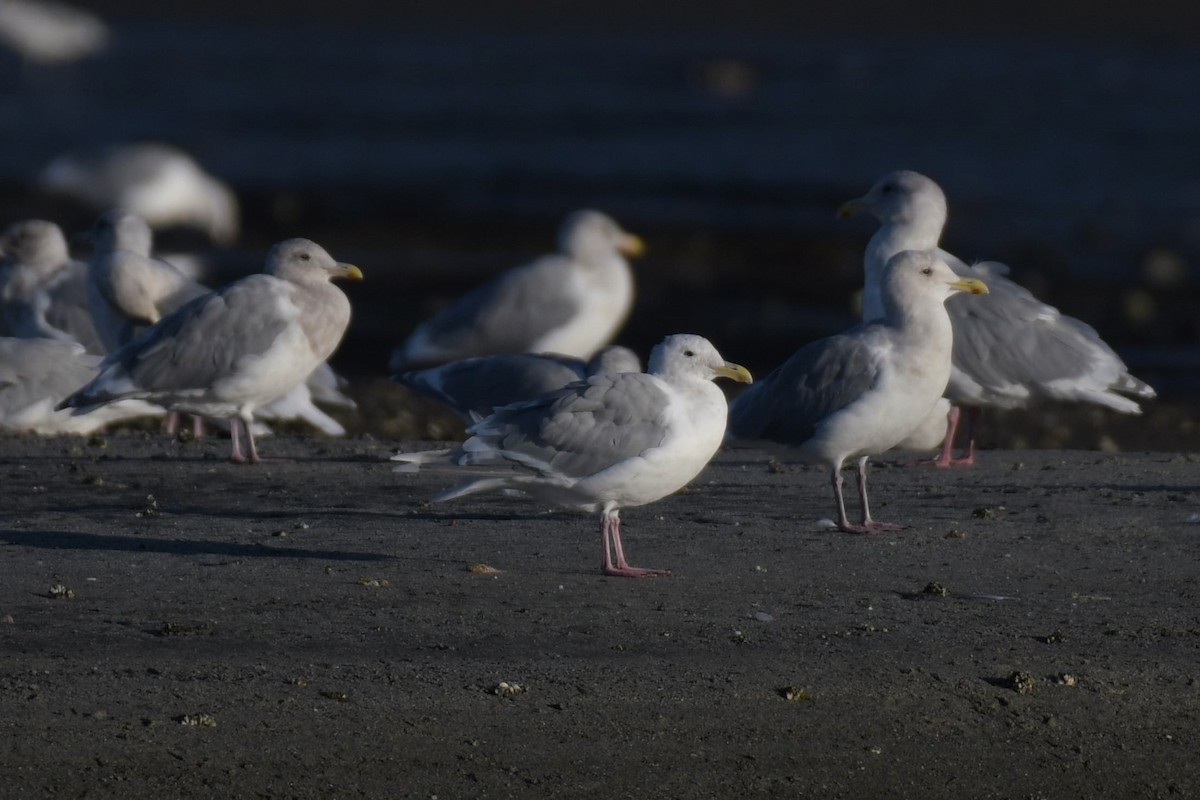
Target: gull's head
x=591 y=236
x=305 y=261
x=686 y=355
x=36 y=243
x=912 y=277
x=118 y=229
x=902 y=196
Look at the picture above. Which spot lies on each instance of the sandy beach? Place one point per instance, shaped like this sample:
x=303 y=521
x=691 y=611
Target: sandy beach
x=174 y=624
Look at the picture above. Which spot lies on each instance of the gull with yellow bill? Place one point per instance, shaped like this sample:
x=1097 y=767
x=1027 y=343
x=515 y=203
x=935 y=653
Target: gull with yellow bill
x=610 y=442
x=862 y=392
x=226 y=353
x=571 y=303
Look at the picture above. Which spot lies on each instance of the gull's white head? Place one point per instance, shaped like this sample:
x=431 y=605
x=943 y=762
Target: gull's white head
x=913 y=278
x=686 y=356
x=902 y=197
x=306 y=262
x=35 y=243
x=591 y=237
x=118 y=229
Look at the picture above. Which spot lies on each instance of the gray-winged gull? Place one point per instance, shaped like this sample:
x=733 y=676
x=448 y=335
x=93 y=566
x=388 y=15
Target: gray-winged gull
x=43 y=291
x=158 y=182
x=475 y=387
x=1010 y=349
x=129 y=289
x=861 y=392
x=229 y=352
x=35 y=376
x=607 y=443
x=571 y=303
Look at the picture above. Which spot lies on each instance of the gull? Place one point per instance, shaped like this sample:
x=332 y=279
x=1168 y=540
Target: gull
x=43 y=291
x=46 y=32
x=36 y=374
x=475 y=387
x=862 y=392
x=229 y=352
x=612 y=441
x=128 y=289
x=1010 y=349
x=571 y=303
x=158 y=182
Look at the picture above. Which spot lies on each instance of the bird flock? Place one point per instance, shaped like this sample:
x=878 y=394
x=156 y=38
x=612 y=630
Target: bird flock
x=555 y=411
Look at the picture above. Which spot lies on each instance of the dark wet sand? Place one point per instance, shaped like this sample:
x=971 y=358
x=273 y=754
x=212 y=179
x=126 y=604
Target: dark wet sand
x=322 y=616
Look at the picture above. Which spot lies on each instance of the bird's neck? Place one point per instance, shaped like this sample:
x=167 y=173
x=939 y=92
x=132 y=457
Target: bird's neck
x=893 y=237
x=925 y=323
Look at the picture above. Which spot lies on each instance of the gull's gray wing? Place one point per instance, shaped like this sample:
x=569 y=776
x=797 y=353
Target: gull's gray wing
x=68 y=310
x=206 y=340
x=1014 y=348
x=819 y=379
x=505 y=315
x=984 y=270
x=576 y=431
x=475 y=387
x=614 y=359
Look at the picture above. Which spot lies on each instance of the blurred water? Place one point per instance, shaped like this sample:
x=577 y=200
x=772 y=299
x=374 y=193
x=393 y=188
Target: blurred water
x=1052 y=136
x=1071 y=161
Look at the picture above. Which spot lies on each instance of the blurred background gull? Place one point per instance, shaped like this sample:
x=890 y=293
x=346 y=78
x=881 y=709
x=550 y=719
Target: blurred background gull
x=44 y=32
x=436 y=145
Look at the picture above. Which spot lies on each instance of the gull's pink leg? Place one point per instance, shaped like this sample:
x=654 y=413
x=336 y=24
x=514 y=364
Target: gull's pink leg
x=610 y=530
x=945 y=460
x=605 y=555
x=171 y=423
x=236 y=455
x=968 y=458
x=254 y=459
x=869 y=525
x=198 y=427
x=843 y=522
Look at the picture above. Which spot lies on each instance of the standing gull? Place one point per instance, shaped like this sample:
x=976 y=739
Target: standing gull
x=572 y=302
x=475 y=387
x=607 y=443
x=129 y=289
x=863 y=391
x=1010 y=349
x=229 y=352
x=43 y=291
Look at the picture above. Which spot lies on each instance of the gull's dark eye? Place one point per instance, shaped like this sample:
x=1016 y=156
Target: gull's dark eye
x=927 y=271
x=688 y=353
x=304 y=256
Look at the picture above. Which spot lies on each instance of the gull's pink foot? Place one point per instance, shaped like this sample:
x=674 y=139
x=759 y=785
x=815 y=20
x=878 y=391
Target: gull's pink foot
x=627 y=571
x=872 y=527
